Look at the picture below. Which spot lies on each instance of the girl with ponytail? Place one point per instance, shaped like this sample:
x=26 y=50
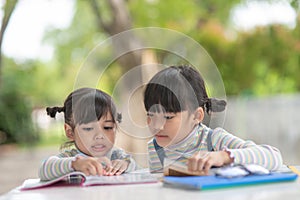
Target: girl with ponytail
x=175 y=100
x=90 y=126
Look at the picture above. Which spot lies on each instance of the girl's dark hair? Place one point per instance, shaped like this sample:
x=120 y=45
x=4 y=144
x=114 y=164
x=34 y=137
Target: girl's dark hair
x=179 y=88
x=85 y=105
x=92 y=106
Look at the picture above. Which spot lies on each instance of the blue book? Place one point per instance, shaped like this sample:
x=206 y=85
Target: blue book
x=216 y=182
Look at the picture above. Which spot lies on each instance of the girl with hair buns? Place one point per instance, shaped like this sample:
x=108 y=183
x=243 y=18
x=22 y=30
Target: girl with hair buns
x=90 y=125
x=175 y=100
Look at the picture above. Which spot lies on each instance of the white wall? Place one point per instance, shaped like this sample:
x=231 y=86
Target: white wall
x=271 y=120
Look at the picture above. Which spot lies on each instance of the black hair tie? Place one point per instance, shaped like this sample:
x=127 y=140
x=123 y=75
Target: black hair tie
x=52 y=111
x=215 y=105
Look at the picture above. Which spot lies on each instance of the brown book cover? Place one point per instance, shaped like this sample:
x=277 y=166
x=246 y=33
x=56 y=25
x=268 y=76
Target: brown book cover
x=178 y=169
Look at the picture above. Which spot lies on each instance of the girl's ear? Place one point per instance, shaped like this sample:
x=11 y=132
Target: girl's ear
x=69 y=131
x=199 y=115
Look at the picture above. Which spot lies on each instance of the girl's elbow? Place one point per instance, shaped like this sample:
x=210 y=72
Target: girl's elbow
x=277 y=161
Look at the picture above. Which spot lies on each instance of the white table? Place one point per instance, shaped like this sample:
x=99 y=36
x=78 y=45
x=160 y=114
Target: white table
x=156 y=191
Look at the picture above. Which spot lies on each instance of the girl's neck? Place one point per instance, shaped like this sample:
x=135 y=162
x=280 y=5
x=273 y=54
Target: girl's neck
x=187 y=142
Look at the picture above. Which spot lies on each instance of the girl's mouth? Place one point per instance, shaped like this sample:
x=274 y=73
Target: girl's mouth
x=99 y=147
x=161 y=136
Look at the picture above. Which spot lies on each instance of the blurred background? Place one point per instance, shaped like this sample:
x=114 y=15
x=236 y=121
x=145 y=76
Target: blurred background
x=254 y=44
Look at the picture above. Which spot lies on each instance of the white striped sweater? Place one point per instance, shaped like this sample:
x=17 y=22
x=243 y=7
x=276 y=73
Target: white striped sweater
x=243 y=152
x=59 y=165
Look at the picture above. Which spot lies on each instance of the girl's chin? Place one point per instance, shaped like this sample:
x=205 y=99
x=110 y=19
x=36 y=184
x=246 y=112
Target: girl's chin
x=98 y=154
x=163 y=142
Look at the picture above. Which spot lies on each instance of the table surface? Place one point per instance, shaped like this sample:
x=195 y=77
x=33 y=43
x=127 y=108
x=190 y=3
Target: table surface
x=156 y=191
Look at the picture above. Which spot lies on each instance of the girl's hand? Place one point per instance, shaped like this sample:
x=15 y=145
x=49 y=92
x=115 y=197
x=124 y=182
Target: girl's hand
x=117 y=167
x=203 y=161
x=90 y=165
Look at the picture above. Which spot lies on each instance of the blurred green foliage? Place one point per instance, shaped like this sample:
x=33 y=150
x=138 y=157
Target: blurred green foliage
x=263 y=61
x=15 y=108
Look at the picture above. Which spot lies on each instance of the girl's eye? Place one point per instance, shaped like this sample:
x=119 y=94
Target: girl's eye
x=149 y=115
x=108 y=127
x=168 y=117
x=88 y=129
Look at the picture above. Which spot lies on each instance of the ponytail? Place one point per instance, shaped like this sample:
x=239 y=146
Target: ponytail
x=214 y=105
x=51 y=111
x=119 y=117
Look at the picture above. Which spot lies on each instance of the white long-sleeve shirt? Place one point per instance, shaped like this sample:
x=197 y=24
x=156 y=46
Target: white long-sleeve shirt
x=61 y=164
x=243 y=152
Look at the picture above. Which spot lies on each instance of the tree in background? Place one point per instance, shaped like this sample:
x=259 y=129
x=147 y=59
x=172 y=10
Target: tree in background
x=15 y=107
x=108 y=18
x=243 y=62
x=264 y=61
x=8 y=9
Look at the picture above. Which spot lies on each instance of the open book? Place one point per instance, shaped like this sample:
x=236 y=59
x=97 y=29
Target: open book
x=175 y=168
x=80 y=179
x=179 y=169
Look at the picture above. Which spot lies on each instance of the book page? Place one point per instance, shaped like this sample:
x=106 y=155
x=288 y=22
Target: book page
x=78 y=178
x=71 y=178
x=127 y=178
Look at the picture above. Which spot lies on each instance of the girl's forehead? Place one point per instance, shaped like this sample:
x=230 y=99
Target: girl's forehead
x=100 y=122
x=181 y=113
x=163 y=113
x=103 y=119
x=157 y=108
x=106 y=117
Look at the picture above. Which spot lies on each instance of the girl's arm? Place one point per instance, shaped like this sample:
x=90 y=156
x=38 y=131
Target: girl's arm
x=246 y=152
x=54 y=167
x=69 y=161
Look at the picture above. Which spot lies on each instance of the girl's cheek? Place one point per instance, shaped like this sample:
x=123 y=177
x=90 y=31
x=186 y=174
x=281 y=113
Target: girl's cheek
x=111 y=138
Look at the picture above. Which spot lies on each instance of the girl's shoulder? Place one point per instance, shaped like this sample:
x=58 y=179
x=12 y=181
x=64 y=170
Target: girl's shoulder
x=211 y=135
x=119 y=153
x=69 y=153
x=117 y=150
x=206 y=130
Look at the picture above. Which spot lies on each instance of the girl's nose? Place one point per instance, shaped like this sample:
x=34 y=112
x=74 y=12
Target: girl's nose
x=99 y=136
x=158 y=124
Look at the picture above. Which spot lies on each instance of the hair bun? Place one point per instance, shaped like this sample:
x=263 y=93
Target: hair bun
x=52 y=111
x=215 y=105
x=119 y=117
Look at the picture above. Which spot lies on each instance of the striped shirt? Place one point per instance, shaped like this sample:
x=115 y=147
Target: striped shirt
x=243 y=152
x=61 y=164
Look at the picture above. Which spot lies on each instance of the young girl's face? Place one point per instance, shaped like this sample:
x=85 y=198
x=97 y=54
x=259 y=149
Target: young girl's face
x=170 y=128
x=96 y=138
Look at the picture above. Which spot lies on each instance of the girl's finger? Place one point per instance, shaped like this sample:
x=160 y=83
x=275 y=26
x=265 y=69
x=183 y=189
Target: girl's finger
x=194 y=161
x=119 y=172
x=105 y=162
x=86 y=171
x=99 y=169
x=92 y=170
x=116 y=167
x=204 y=157
x=207 y=166
x=200 y=164
x=108 y=170
x=111 y=169
x=122 y=169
